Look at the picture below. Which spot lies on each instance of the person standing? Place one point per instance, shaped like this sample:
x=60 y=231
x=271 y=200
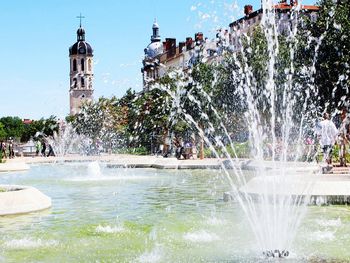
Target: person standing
x=1 y=147
x=343 y=137
x=4 y=146
x=328 y=134
x=43 y=148
x=37 y=147
x=11 y=150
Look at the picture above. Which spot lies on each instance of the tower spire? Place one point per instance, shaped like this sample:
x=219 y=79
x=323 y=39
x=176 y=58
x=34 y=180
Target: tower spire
x=155 y=30
x=81 y=31
x=80 y=17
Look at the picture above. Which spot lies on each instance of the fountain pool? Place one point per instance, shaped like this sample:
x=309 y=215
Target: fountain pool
x=148 y=215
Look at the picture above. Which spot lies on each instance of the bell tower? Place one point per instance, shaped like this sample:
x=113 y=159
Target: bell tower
x=81 y=72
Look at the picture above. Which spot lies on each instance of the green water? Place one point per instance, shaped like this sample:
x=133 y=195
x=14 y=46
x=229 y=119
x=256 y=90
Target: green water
x=147 y=215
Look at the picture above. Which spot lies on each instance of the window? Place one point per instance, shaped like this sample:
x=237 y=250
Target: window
x=89 y=65
x=82 y=64
x=82 y=82
x=74 y=65
x=74 y=82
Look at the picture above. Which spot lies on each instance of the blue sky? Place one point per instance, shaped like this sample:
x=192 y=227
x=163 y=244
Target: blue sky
x=36 y=35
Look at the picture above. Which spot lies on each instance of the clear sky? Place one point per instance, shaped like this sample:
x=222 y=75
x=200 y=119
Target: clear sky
x=36 y=35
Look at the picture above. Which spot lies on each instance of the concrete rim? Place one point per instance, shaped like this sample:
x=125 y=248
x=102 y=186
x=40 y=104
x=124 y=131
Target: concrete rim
x=22 y=199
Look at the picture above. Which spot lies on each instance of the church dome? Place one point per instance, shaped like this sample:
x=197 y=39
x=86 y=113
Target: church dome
x=154 y=49
x=81 y=47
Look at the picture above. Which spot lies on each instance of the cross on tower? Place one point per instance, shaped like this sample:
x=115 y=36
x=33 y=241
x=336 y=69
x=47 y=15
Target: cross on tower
x=80 y=17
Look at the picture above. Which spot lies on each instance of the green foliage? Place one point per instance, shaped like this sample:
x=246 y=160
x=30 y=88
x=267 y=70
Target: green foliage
x=70 y=118
x=332 y=67
x=133 y=150
x=241 y=150
x=203 y=74
x=98 y=121
x=13 y=126
x=153 y=111
x=3 y=134
x=335 y=154
x=42 y=127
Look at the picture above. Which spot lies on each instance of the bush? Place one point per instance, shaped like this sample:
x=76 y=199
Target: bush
x=335 y=157
x=136 y=151
x=242 y=150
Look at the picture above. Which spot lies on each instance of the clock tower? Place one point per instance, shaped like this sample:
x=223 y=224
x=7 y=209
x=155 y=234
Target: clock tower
x=81 y=72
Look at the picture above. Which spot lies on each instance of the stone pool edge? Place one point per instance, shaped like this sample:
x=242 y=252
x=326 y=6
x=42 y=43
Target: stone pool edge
x=157 y=162
x=19 y=199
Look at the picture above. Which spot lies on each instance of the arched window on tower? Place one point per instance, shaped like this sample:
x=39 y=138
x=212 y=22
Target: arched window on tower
x=74 y=83
x=82 y=82
x=74 y=65
x=82 y=64
x=89 y=64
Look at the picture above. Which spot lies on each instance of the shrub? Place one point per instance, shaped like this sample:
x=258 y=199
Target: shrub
x=242 y=150
x=136 y=151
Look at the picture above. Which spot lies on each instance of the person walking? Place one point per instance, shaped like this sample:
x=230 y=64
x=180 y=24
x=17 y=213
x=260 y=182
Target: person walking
x=51 y=152
x=328 y=135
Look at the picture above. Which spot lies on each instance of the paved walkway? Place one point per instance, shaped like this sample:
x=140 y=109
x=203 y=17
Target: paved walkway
x=338 y=170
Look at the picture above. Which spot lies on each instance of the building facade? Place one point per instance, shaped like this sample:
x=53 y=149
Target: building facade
x=81 y=73
x=286 y=17
x=161 y=57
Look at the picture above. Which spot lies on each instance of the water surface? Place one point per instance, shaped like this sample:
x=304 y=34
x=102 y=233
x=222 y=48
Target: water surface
x=101 y=214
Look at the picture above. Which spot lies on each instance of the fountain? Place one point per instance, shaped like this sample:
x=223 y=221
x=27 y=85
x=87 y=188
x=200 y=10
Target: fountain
x=147 y=215
x=278 y=112
x=94 y=169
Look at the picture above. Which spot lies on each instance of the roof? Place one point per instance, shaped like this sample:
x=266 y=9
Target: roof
x=281 y=7
x=27 y=121
x=81 y=47
x=251 y=15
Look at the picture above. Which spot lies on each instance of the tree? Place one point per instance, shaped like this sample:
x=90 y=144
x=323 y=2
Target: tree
x=3 y=134
x=37 y=128
x=332 y=29
x=98 y=121
x=13 y=126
